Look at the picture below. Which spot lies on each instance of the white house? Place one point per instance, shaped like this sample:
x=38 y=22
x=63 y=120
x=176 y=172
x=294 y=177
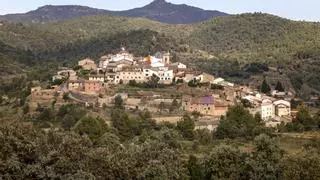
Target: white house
x=267 y=109
x=165 y=74
x=154 y=62
x=179 y=65
x=99 y=78
x=222 y=82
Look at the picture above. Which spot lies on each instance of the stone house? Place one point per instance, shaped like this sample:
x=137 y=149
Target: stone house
x=87 y=64
x=75 y=85
x=203 y=105
x=282 y=108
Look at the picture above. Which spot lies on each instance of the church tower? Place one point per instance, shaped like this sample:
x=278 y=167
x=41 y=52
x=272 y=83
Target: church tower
x=166 y=58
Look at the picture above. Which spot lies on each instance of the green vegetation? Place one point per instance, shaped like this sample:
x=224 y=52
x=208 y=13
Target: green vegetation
x=77 y=145
x=232 y=46
x=302 y=122
x=265 y=88
x=239 y=123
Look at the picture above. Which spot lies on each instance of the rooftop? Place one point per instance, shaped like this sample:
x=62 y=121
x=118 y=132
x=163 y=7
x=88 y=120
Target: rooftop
x=203 y=100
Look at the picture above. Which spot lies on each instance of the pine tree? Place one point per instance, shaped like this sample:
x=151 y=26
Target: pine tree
x=279 y=87
x=265 y=88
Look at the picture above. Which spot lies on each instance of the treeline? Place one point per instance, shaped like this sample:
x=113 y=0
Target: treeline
x=133 y=146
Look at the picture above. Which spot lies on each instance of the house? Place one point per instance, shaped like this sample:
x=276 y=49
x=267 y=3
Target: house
x=267 y=109
x=75 y=85
x=57 y=77
x=68 y=74
x=154 y=62
x=210 y=125
x=165 y=74
x=282 y=108
x=203 y=105
x=278 y=94
x=220 y=110
x=129 y=74
x=117 y=61
x=205 y=78
x=92 y=86
x=99 y=78
x=87 y=64
x=179 y=65
x=222 y=82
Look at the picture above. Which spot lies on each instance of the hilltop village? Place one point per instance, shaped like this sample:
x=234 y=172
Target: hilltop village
x=166 y=89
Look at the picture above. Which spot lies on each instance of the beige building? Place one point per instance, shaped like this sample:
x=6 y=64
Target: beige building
x=87 y=64
x=205 y=78
x=282 y=108
x=129 y=74
x=204 y=105
x=75 y=85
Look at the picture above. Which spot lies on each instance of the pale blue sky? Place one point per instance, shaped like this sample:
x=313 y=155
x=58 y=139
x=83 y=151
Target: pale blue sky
x=293 y=9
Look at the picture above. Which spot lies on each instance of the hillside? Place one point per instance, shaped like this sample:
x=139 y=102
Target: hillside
x=253 y=36
x=162 y=11
x=158 y=10
x=224 y=46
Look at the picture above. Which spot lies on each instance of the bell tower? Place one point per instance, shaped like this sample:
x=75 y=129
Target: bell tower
x=166 y=58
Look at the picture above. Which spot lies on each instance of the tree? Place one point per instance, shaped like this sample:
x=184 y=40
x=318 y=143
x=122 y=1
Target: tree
x=93 y=127
x=265 y=88
x=118 y=102
x=26 y=108
x=204 y=136
x=196 y=172
x=174 y=105
x=186 y=127
x=154 y=81
x=193 y=83
x=240 y=123
x=46 y=115
x=225 y=162
x=303 y=117
x=265 y=160
x=279 y=87
x=133 y=83
x=65 y=97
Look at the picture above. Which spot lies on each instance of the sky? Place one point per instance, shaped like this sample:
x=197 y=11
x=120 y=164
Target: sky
x=308 y=10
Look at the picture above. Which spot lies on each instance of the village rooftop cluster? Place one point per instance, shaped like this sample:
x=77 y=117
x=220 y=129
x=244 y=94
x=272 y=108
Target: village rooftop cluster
x=92 y=83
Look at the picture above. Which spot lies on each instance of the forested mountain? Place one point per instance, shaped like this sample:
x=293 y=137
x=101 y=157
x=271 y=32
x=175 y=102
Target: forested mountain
x=158 y=10
x=239 y=39
x=54 y=13
x=162 y=11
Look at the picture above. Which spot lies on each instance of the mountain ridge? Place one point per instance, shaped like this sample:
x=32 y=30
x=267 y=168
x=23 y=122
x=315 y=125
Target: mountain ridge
x=158 y=10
